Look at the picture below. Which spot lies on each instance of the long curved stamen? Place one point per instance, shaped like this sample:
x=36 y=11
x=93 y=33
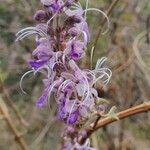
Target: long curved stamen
x=22 y=36
x=41 y=32
x=62 y=84
x=91 y=59
x=21 y=80
x=51 y=89
x=57 y=53
x=51 y=19
x=92 y=74
x=77 y=5
x=88 y=88
x=63 y=58
x=103 y=69
x=85 y=37
x=66 y=84
x=104 y=14
x=100 y=62
x=40 y=68
x=74 y=7
x=49 y=71
x=25 y=32
x=102 y=76
x=22 y=30
x=87 y=3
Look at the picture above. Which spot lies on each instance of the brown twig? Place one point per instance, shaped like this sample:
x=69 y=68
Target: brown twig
x=110 y=9
x=11 y=125
x=121 y=115
x=95 y=123
x=5 y=92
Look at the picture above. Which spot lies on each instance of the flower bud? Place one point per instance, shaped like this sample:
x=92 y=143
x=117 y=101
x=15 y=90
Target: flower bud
x=40 y=15
x=70 y=21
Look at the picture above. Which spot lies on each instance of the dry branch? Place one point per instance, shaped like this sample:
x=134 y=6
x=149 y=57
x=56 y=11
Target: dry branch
x=18 y=137
x=145 y=107
x=6 y=95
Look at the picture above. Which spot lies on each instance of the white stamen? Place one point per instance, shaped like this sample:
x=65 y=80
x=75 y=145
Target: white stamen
x=62 y=84
x=87 y=3
x=77 y=5
x=26 y=34
x=104 y=14
x=21 y=80
x=100 y=62
x=41 y=32
x=92 y=52
x=28 y=28
x=51 y=88
x=51 y=19
x=85 y=37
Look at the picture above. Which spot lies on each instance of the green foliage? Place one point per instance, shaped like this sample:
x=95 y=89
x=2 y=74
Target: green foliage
x=112 y=113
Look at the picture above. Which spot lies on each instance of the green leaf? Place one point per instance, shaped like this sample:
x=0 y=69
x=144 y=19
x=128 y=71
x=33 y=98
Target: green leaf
x=102 y=101
x=112 y=113
x=2 y=76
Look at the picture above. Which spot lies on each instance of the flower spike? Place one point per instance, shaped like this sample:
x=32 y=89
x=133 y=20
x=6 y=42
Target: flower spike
x=59 y=47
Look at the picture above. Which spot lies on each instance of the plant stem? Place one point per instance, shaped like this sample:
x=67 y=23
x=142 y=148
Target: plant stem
x=11 y=125
x=145 y=107
x=5 y=92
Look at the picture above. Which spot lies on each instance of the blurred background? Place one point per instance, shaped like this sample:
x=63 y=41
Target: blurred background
x=127 y=46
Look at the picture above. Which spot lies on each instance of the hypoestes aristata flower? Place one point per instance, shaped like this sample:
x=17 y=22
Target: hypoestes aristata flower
x=58 y=46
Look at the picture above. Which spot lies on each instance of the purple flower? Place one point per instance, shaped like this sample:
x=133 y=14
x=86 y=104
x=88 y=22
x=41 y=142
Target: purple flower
x=44 y=49
x=46 y=2
x=76 y=12
x=75 y=49
x=43 y=54
x=43 y=99
x=82 y=26
x=40 y=16
x=36 y=64
x=53 y=5
x=71 y=137
x=62 y=114
x=69 y=2
x=72 y=119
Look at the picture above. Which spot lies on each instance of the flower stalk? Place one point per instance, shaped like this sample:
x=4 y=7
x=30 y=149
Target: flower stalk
x=142 y=108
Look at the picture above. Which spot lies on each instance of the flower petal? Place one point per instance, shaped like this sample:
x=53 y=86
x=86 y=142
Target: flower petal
x=43 y=99
x=73 y=118
x=37 y=64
